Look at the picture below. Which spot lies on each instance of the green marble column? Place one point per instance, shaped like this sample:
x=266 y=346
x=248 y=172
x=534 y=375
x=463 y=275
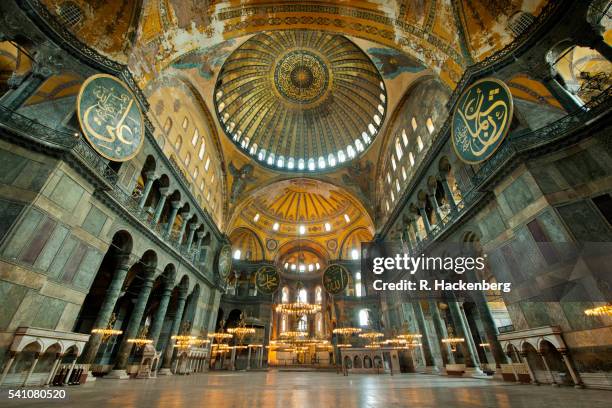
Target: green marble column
x=462 y=331
x=106 y=310
x=160 y=314
x=440 y=327
x=420 y=317
x=176 y=324
x=135 y=319
x=147 y=190
x=175 y=209
x=488 y=324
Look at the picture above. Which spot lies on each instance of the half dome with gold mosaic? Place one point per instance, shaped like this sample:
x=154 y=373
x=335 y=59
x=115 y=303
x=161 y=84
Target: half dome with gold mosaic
x=300 y=100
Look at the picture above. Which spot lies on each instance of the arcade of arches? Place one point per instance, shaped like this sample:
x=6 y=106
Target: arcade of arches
x=278 y=137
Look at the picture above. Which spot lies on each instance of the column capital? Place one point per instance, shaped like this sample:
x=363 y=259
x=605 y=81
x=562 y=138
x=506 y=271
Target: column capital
x=123 y=260
x=165 y=191
x=150 y=175
x=176 y=204
x=149 y=272
x=47 y=62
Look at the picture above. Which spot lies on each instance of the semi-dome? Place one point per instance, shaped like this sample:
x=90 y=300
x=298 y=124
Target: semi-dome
x=300 y=100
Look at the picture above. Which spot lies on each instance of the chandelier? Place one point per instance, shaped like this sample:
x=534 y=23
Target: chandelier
x=293 y=334
x=220 y=336
x=599 y=311
x=371 y=335
x=108 y=331
x=241 y=331
x=344 y=345
x=452 y=340
x=409 y=336
x=298 y=308
x=346 y=331
x=141 y=340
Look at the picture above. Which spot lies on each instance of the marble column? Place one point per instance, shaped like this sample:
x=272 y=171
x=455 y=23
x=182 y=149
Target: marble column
x=47 y=62
x=160 y=314
x=107 y=307
x=173 y=213
x=425 y=220
x=420 y=317
x=8 y=366
x=160 y=204
x=31 y=370
x=176 y=323
x=567 y=100
x=58 y=359
x=469 y=339
x=440 y=327
x=192 y=230
x=488 y=324
x=415 y=227
x=462 y=331
x=133 y=326
x=436 y=207
x=525 y=360
x=448 y=194
x=198 y=246
x=183 y=228
x=550 y=374
x=147 y=189
x=571 y=369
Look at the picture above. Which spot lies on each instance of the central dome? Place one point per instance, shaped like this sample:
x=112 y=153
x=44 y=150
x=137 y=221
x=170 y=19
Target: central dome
x=300 y=100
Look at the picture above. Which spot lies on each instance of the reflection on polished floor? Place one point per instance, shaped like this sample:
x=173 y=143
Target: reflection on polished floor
x=309 y=389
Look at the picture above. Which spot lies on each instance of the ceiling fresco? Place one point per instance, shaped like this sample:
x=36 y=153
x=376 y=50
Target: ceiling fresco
x=300 y=100
x=301 y=209
x=269 y=70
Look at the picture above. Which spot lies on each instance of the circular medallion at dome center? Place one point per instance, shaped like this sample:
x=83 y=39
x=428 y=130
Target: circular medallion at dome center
x=301 y=76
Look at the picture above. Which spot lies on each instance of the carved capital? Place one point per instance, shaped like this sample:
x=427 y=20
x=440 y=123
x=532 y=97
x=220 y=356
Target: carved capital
x=47 y=62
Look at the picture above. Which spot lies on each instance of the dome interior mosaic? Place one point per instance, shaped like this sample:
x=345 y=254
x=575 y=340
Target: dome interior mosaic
x=300 y=100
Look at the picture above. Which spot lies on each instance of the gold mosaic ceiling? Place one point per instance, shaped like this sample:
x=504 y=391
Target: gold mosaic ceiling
x=300 y=100
x=309 y=213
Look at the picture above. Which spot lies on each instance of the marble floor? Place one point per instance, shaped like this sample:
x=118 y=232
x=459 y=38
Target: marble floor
x=316 y=389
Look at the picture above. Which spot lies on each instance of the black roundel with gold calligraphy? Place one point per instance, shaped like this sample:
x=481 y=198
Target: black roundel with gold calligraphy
x=481 y=120
x=335 y=279
x=110 y=117
x=267 y=280
x=224 y=262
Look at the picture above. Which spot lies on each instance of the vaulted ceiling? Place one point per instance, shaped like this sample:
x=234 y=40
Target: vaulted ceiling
x=301 y=56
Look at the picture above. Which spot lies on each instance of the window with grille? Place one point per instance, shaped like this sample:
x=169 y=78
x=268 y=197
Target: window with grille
x=520 y=22
x=70 y=14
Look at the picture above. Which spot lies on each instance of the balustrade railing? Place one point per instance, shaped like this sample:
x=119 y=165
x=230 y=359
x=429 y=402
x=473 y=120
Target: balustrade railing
x=58 y=139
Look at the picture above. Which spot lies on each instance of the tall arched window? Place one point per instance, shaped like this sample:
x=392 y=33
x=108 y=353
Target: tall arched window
x=303 y=324
x=358 y=285
x=285 y=295
x=318 y=295
x=283 y=323
x=302 y=296
x=319 y=324
x=364 y=317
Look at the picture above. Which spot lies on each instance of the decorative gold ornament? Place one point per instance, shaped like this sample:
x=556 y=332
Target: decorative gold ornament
x=141 y=340
x=452 y=340
x=371 y=335
x=108 y=331
x=346 y=331
x=599 y=311
x=298 y=308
